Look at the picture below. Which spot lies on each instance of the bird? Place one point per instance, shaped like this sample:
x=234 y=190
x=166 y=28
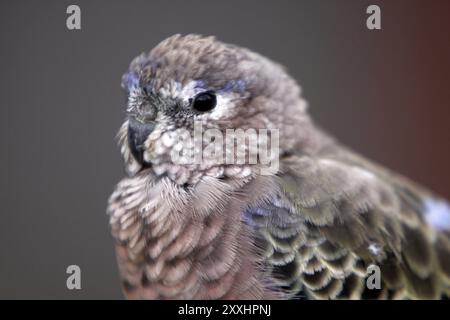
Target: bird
x=308 y=228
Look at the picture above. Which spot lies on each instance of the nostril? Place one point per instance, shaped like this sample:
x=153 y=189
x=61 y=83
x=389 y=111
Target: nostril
x=147 y=112
x=138 y=133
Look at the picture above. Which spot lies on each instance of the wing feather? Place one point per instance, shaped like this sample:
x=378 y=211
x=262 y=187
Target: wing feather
x=334 y=215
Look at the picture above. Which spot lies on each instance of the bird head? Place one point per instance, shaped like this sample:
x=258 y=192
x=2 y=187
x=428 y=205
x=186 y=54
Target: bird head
x=192 y=83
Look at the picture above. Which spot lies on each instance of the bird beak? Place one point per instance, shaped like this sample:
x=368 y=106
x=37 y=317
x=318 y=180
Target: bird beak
x=138 y=133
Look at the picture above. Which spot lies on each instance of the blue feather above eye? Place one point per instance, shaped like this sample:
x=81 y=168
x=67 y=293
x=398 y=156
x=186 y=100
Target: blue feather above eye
x=130 y=80
x=238 y=86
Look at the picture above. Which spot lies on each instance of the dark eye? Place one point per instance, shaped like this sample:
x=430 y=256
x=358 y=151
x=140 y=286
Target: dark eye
x=204 y=101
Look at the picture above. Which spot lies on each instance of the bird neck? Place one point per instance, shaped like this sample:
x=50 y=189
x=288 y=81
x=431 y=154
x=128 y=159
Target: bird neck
x=192 y=254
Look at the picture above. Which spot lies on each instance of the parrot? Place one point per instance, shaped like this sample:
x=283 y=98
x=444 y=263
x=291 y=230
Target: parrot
x=320 y=224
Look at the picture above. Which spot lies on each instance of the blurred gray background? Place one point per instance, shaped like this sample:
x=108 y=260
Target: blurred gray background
x=384 y=93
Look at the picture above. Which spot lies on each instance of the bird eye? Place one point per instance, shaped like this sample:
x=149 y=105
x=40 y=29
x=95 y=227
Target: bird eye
x=204 y=101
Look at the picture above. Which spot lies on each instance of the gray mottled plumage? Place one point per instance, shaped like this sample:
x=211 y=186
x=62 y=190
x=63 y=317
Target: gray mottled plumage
x=214 y=231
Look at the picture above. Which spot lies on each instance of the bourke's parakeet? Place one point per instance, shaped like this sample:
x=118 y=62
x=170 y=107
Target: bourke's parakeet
x=308 y=227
